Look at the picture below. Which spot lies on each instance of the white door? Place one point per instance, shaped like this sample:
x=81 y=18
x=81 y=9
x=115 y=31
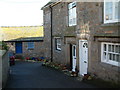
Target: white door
x=73 y=57
x=83 y=57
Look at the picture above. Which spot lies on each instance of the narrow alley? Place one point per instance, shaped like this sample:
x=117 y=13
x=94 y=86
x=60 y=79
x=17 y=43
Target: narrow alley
x=34 y=75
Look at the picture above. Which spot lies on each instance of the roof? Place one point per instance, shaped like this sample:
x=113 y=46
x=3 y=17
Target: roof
x=50 y=3
x=28 y=39
x=15 y=32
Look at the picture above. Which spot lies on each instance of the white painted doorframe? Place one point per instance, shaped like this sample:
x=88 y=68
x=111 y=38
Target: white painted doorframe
x=73 y=57
x=83 y=57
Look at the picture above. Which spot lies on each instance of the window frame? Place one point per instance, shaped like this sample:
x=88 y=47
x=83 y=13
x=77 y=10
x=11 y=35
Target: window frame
x=57 y=44
x=30 y=46
x=71 y=16
x=115 y=63
x=113 y=12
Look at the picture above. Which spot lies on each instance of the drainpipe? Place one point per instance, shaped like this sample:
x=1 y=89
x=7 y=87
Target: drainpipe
x=51 y=37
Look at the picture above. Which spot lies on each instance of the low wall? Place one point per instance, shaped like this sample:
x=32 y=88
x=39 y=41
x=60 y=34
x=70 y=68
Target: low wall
x=4 y=67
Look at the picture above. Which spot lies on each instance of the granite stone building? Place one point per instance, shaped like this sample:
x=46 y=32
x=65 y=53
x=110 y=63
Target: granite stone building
x=26 y=47
x=85 y=36
x=24 y=41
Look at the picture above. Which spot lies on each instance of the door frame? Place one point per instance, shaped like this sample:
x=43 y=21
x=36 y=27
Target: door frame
x=80 y=57
x=74 y=45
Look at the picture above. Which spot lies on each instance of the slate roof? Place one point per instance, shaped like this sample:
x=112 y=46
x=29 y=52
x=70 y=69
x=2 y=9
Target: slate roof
x=28 y=39
x=50 y=3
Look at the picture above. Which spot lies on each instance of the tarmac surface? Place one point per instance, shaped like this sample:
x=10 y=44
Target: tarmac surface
x=34 y=75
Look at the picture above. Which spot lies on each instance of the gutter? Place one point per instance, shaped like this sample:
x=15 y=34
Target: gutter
x=51 y=37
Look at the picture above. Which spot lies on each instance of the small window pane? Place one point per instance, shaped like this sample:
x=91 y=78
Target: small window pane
x=58 y=43
x=113 y=57
x=30 y=45
x=117 y=9
x=109 y=48
x=118 y=58
x=117 y=49
x=104 y=47
x=73 y=4
x=112 y=48
x=104 y=56
x=109 y=10
x=70 y=5
x=110 y=56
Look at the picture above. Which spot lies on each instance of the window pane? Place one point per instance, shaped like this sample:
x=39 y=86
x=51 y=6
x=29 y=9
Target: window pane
x=108 y=10
x=70 y=5
x=113 y=57
x=30 y=45
x=112 y=48
x=118 y=58
x=117 y=49
x=117 y=10
x=104 y=47
x=109 y=48
x=58 y=43
x=110 y=56
x=104 y=55
x=74 y=4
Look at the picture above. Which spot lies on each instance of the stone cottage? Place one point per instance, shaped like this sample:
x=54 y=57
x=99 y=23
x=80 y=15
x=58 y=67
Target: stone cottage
x=24 y=41
x=26 y=47
x=85 y=36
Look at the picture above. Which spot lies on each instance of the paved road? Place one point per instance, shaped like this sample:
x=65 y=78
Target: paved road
x=34 y=75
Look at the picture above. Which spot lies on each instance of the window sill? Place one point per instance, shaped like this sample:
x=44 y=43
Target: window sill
x=72 y=25
x=111 y=24
x=113 y=64
x=57 y=50
x=30 y=49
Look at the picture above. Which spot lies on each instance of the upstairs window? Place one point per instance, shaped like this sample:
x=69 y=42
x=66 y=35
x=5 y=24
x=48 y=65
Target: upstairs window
x=72 y=13
x=30 y=45
x=58 y=44
x=111 y=11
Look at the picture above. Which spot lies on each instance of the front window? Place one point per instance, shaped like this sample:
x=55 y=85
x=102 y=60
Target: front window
x=72 y=13
x=30 y=45
x=110 y=53
x=111 y=11
x=58 y=44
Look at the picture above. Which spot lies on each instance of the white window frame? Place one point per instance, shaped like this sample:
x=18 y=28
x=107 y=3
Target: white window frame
x=106 y=60
x=58 y=43
x=30 y=46
x=73 y=16
x=113 y=13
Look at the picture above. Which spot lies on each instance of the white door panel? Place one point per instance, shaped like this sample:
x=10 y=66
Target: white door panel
x=73 y=57
x=83 y=57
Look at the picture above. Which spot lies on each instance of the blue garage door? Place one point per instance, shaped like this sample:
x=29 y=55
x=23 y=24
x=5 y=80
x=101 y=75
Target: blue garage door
x=18 y=47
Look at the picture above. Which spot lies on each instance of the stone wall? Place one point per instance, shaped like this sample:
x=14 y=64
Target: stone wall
x=47 y=33
x=90 y=26
x=92 y=16
x=37 y=51
x=4 y=67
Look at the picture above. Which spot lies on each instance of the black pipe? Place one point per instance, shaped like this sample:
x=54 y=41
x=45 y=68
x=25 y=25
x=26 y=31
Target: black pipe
x=51 y=37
